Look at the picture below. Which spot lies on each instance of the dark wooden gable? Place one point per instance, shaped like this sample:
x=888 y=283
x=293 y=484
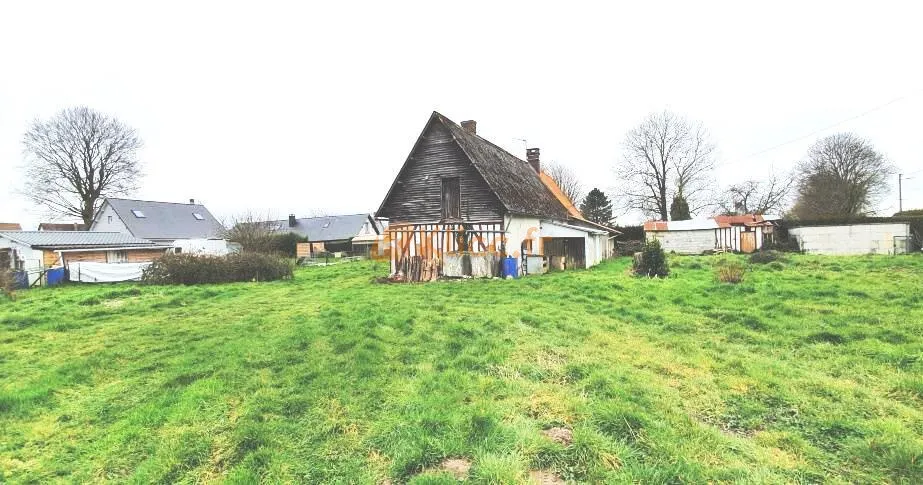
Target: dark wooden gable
x=417 y=193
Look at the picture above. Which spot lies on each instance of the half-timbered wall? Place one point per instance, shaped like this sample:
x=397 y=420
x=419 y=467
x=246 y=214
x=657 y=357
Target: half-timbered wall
x=417 y=195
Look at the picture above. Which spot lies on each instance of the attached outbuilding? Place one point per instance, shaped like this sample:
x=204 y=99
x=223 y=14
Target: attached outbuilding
x=36 y=252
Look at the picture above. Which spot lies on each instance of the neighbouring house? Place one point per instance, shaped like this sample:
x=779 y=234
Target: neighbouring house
x=743 y=233
x=352 y=233
x=187 y=227
x=459 y=203
x=62 y=226
x=861 y=237
x=34 y=252
x=10 y=226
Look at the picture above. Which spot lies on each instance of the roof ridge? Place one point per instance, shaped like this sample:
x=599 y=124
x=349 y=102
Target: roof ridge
x=154 y=201
x=65 y=232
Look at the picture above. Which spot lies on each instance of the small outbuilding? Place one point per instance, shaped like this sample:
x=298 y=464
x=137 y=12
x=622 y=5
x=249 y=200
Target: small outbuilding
x=743 y=233
x=36 y=252
x=875 y=236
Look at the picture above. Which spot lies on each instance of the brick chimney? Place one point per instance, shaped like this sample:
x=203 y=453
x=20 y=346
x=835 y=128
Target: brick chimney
x=532 y=158
x=470 y=126
x=291 y=220
x=192 y=201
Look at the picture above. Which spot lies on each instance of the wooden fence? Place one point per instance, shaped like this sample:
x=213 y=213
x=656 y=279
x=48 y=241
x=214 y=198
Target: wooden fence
x=417 y=249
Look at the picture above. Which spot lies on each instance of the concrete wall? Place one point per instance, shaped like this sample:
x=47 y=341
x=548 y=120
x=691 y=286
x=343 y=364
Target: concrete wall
x=850 y=239
x=684 y=242
x=518 y=229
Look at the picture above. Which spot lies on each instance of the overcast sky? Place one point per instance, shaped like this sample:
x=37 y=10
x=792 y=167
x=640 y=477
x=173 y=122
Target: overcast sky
x=293 y=108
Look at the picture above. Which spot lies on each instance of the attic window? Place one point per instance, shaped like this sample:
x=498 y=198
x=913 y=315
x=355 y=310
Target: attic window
x=198 y=216
x=138 y=214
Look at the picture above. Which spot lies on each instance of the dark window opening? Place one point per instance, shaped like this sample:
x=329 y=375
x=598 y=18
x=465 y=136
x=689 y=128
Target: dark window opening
x=451 y=198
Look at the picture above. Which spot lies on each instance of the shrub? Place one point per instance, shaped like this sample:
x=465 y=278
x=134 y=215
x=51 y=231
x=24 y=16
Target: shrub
x=285 y=244
x=730 y=272
x=191 y=269
x=765 y=256
x=651 y=261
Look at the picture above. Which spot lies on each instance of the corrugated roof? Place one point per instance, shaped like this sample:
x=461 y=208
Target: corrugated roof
x=167 y=220
x=74 y=239
x=327 y=228
x=10 y=226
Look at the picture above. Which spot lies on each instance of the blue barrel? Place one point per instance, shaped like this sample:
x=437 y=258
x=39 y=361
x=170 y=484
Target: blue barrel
x=54 y=276
x=510 y=267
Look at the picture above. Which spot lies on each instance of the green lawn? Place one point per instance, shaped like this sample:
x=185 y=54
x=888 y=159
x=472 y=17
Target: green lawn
x=809 y=370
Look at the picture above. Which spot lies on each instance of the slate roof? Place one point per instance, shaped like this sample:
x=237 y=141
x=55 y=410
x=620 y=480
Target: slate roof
x=75 y=239
x=167 y=220
x=327 y=228
x=512 y=179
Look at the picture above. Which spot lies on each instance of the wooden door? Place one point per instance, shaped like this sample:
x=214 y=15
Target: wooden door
x=748 y=241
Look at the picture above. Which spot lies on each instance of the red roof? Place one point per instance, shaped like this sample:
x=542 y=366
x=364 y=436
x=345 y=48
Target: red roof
x=655 y=226
x=10 y=226
x=743 y=220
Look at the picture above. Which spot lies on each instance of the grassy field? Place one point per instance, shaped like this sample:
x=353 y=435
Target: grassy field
x=809 y=370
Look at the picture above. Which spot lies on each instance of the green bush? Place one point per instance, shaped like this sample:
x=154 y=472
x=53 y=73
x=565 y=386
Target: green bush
x=765 y=256
x=651 y=261
x=285 y=244
x=730 y=272
x=192 y=269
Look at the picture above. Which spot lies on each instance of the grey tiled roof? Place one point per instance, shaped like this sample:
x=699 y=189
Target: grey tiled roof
x=327 y=228
x=167 y=220
x=74 y=239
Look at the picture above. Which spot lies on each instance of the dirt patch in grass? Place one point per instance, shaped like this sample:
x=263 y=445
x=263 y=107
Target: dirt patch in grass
x=543 y=477
x=559 y=435
x=458 y=467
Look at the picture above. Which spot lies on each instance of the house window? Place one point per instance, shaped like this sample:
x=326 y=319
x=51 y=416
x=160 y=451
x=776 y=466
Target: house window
x=451 y=198
x=198 y=216
x=177 y=250
x=117 y=256
x=138 y=214
x=109 y=219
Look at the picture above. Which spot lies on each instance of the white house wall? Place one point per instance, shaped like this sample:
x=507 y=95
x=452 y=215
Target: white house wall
x=850 y=239
x=218 y=247
x=103 y=224
x=520 y=228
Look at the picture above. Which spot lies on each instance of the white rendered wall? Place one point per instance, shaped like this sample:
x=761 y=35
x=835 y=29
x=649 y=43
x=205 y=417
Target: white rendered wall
x=850 y=239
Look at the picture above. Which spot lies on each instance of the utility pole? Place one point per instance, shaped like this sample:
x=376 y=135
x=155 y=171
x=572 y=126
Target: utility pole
x=900 y=198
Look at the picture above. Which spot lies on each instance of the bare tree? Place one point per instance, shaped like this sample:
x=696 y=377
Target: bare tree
x=77 y=158
x=842 y=175
x=665 y=157
x=253 y=232
x=769 y=196
x=566 y=179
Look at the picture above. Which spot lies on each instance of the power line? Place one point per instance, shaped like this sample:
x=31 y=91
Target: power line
x=802 y=137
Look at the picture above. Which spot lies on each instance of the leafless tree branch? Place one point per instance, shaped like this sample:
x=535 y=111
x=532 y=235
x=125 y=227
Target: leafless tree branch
x=664 y=156
x=78 y=158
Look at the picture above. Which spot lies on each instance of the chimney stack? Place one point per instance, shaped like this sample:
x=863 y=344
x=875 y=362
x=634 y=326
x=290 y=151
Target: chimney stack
x=291 y=220
x=532 y=158
x=192 y=201
x=470 y=126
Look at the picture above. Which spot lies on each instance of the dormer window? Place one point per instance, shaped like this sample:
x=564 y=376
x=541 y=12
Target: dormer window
x=138 y=214
x=198 y=216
